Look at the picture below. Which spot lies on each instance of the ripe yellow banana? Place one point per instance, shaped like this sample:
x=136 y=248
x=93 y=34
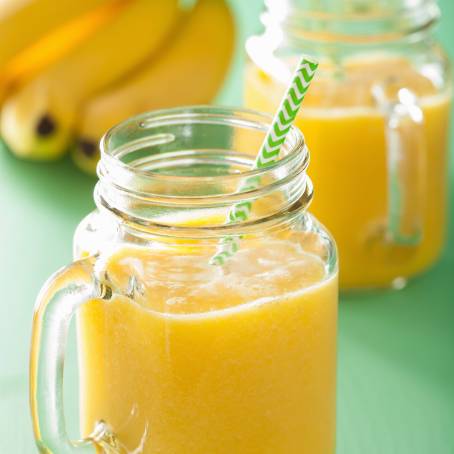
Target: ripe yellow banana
x=23 y=23
x=190 y=70
x=58 y=41
x=38 y=121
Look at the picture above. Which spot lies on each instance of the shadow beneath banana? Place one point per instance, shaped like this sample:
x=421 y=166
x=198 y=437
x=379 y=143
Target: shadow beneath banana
x=57 y=186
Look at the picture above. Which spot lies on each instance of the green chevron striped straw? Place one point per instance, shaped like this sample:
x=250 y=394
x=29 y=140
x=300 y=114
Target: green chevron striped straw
x=269 y=151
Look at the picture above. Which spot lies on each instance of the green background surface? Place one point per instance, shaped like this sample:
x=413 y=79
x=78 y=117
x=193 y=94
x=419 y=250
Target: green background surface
x=396 y=349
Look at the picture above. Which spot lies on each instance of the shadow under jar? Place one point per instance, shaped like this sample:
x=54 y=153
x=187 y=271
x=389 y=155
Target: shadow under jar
x=177 y=355
x=376 y=119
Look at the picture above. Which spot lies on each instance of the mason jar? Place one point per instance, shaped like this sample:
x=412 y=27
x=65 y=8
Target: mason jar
x=179 y=353
x=376 y=119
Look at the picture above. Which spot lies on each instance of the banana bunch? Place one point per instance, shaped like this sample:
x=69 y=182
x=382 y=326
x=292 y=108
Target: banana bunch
x=70 y=70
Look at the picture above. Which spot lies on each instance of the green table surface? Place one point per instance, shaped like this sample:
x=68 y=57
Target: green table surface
x=396 y=349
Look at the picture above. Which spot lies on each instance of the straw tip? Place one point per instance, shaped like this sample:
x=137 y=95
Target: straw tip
x=307 y=60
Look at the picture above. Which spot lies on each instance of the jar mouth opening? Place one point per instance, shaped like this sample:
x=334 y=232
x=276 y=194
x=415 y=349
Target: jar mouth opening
x=118 y=156
x=166 y=164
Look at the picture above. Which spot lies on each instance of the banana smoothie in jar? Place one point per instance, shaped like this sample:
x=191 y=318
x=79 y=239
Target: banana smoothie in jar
x=376 y=119
x=177 y=354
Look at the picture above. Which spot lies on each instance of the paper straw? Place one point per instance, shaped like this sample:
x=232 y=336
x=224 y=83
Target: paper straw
x=269 y=151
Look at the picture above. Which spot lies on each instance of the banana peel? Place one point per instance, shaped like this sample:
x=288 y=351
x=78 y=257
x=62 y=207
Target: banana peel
x=85 y=155
x=38 y=121
x=189 y=70
x=16 y=70
x=23 y=22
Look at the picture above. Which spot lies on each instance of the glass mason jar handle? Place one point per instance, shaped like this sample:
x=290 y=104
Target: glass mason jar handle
x=406 y=156
x=57 y=302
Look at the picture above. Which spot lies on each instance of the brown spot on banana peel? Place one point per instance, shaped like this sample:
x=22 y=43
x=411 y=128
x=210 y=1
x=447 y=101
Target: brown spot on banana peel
x=46 y=126
x=88 y=147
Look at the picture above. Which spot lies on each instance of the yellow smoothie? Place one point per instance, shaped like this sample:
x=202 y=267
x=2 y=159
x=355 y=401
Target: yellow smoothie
x=345 y=131
x=203 y=359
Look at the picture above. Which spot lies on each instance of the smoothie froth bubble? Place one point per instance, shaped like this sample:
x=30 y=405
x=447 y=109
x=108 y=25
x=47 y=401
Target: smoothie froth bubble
x=176 y=284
